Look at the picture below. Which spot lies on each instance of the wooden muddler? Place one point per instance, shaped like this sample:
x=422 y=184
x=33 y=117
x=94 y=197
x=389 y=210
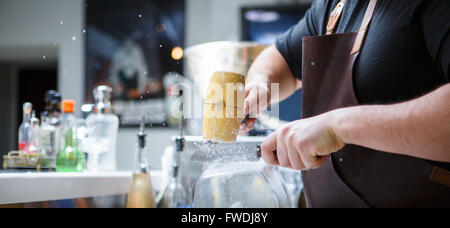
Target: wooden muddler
x=224 y=107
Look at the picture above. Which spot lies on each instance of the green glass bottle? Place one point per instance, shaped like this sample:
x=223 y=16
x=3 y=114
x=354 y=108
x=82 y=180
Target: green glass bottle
x=70 y=159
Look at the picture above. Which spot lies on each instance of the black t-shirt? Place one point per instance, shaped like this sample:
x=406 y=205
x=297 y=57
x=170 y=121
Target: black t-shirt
x=406 y=53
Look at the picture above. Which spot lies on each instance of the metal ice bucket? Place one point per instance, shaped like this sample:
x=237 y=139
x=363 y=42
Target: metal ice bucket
x=234 y=176
x=244 y=184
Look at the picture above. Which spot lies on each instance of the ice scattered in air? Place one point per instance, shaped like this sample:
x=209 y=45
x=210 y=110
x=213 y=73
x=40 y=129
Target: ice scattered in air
x=61 y=22
x=74 y=38
x=160 y=45
x=44 y=57
x=140 y=15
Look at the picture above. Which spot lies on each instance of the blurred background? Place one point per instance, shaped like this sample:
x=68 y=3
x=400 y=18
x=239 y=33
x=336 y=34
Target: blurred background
x=73 y=45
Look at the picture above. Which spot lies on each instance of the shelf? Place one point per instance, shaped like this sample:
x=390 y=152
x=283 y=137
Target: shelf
x=38 y=187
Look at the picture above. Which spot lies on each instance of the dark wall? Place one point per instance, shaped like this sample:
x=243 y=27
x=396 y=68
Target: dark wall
x=33 y=82
x=21 y=83
x=8 y=104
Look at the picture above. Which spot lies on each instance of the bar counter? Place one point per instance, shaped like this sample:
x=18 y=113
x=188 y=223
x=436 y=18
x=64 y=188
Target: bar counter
x=38 y=187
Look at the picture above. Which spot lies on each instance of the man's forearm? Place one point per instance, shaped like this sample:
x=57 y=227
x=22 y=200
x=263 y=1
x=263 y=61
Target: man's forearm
x=418 y=128
x=270 y=67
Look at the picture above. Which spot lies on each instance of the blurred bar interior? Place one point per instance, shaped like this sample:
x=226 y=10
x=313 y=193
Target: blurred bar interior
x=137 y=48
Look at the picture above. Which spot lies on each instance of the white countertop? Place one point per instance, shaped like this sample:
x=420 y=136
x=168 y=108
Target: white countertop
x=38 y=187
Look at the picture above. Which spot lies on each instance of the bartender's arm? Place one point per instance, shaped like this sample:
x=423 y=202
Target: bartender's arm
x=418 y=128
x=270 y=68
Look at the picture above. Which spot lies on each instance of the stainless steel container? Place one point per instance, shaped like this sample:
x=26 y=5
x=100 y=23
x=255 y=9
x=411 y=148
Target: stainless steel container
x=242 y=184
x=234 y=176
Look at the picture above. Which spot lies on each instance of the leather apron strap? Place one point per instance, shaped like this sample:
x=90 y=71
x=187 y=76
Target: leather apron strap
x=361 y=36
x=335 y=17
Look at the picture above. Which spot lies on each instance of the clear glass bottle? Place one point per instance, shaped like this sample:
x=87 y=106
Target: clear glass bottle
x=48 y=139
x=141 y=189
x=34 y=146
x=55 y=121
x=175 y=194
x=25 y=129
x=103 y=127
x=70 y=158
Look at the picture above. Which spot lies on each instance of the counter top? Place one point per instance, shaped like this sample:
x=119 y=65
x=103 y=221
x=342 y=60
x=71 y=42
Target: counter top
x=38 y=187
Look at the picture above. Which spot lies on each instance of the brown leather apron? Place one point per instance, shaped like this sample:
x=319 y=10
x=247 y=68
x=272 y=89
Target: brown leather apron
x=357 y=176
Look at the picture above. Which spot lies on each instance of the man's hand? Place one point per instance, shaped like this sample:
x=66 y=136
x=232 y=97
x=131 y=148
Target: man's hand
x=253 y=103
x=303 y=144
x=270 y=67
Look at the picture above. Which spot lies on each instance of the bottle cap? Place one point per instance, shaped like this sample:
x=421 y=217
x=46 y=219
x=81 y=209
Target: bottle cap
x=102 y=96
x=68 y=106
x=27 y=108
x=49 y=95
x=102 y=93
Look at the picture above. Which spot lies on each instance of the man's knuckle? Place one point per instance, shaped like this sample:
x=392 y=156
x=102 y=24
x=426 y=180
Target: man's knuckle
x=301 y=143
x=285 y=131
x=265 y=147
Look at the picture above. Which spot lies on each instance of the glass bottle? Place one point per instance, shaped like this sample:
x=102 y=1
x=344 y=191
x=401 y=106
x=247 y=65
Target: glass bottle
x=103 y=127
x=49 y=135
x=48 y=139
x=70 y=158
x=141 y=189
x=55 y=121
x=174 y=194
x=67 y=118
x=48 y=105
x=55 y=113
x=34 y=146
x=25 y=128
